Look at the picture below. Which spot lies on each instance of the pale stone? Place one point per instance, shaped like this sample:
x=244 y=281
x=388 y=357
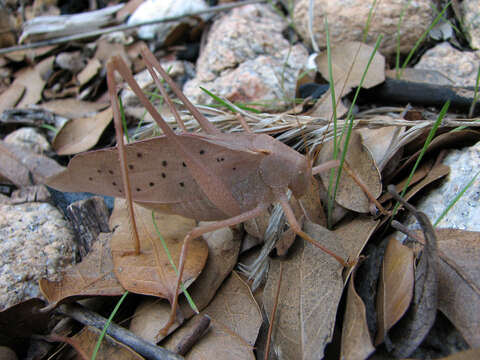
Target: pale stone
x=471 y=21
x=247 y=59
x=35 y=242
x=465 y=214
x=347 y=20
x=459 y=66
x=28 y=139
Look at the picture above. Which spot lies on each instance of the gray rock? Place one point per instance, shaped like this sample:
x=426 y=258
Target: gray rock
x=471 y=21
x=347 y=20
x=465 y=215
x=247 y=59
x=460 y=66
x=35 y=242
x=28 y=139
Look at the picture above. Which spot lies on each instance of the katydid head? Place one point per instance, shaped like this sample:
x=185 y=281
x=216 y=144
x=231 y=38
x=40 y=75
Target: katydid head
x=302 y=178
x=286 y=168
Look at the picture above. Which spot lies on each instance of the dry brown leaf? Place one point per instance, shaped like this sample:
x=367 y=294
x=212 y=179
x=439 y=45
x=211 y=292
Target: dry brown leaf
x=311 y=289
x=87 y=339
x=349 y=61
x=414 y=326
x=24 y=319
x=435 y=174
x=472 y=354
x=93 y=276
x=355 y=234
x=457 y=299
x=150 y=273
x=421 y=172
x=73 y=108
x=24 y=168
x=447 y=140
x=356 y=343
x=81 y=134
x=11 y=96
x=11 y=167
x=395 y=288
x=380 y=142
x=90 y=71
x=223 y=250
x=107 y=49
x=236 y=320
x=359 y=159
x=33 y=82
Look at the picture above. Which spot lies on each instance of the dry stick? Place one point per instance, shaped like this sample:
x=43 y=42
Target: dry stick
x=144 y=348
x=193 y=335
x=123 y=27
x=272 y=315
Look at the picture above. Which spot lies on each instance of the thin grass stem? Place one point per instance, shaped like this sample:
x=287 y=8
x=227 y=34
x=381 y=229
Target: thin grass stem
x=107 y=324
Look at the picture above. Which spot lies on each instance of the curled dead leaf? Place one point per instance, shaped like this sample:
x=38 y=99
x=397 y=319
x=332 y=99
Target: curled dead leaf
x=359 y=159
x=349 y=62
x=150 y=273
x=223 y=249
x=356 y=343
x=81 y=134
x=395 y=288
x=311 y=289
x=93 y=276
x=235 y=322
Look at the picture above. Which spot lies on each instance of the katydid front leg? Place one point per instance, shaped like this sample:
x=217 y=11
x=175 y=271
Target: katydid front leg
x=117 y=119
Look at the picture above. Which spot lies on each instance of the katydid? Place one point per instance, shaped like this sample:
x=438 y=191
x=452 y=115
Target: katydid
x=214 y=176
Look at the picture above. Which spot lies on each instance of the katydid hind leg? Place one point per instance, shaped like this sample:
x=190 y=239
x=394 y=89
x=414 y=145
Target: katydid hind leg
x=195 y=233
x=214 y=188
x=206 y=125
x=163 y=91
x=295 y=226
x=112 y=89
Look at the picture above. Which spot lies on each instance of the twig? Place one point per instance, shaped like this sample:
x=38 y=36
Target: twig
x=194 y=334
x=144 y=348
x=123 y=27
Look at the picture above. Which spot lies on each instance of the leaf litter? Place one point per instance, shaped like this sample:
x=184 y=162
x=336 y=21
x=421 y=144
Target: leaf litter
x=223 y=249
x=350 y=235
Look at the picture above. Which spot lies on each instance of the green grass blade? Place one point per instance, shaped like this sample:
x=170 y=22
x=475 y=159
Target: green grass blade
x=107 y=324
x=475 y=93
x=420 y=40
x=334 y=117
x=350 y=117
x=454 y=201
x=49 y=127
x=369 y=20
x=218 y=99
x=223 y=103
x=430 y=136
x=170 y=259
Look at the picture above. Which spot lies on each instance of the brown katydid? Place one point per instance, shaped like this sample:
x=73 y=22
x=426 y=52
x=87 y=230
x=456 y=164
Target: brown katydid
x=228 y=178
